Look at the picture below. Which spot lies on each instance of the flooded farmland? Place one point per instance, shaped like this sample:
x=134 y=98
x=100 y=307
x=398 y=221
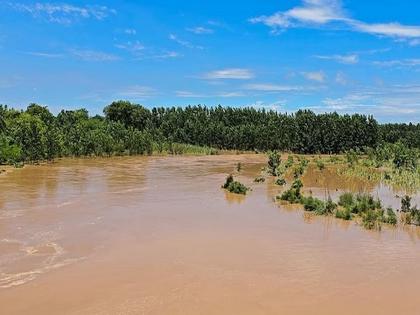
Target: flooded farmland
x=157 y=235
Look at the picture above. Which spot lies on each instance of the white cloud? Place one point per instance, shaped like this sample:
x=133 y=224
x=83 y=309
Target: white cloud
x=188 y=94
x=130 y=31
x=311 y=12
x=231 y=94
x=91 y=55
x=388 y=29
x=341 y=78
x=138 y=92
x=200 y=30
x=134 y=48
x=318 y=76
x=325 y=12
x=166 y=55
x=398 y=63
x=63 y=13
x=231 y=73
x=184 y=43
x=346 y=59
x=268 y=87
x=384 y=102
x=44 y=54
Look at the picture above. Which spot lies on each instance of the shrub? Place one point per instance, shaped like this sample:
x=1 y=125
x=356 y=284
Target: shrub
x=234 y=187
x=330 y=206
x=239 y=167
x=273 y=163
x=289 y=161
x=320 y=164
x=346 y=199
x=344 y=214
x=390 y=217
x=280 y=181
x=372 y=219
x=237 y=188
x=259 y=179
x=293 y=195
x=406 y=204
x=228 y=181
x=313 y=204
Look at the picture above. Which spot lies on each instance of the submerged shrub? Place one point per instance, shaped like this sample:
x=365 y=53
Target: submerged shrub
x=280 y=181
x=330 y=206
x=237 y=188
x=346 y=199
x=390 y=217
x=313 y=204
x=293 y=195
x=406 y=204
x=289 y=161
x=259 y=179
x=239 y=167
x=372 y=219
x=228 y=181
x=344 y=214
x=273 y=163
x=234 y=187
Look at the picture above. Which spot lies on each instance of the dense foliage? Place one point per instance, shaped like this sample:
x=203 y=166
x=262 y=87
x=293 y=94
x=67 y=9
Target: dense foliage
x=126 y=128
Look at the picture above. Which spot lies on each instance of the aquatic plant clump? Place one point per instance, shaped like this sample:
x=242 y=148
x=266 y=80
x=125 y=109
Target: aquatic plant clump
x=273 y=163
x=280 y=181
x=234 y=186
x=293 y=195
x=259 y=179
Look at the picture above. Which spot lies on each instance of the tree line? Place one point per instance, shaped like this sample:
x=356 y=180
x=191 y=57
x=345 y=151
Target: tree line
x=125 y=128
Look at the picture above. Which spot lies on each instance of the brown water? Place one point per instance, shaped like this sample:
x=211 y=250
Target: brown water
x=157 y=235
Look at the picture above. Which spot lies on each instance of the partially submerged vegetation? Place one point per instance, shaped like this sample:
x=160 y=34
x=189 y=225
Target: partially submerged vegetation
x=362 y=207
x=234 y=186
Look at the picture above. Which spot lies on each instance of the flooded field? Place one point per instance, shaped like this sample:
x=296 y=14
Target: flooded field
x=157 y=235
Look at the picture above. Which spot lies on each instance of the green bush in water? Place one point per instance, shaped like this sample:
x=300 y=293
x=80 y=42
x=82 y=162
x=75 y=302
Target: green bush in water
x=234 y=187
x=390 y=217
x=259 y=179
x=346 y=200
x=228 y=181
x=313 y=204
x=344 y=214
x=239 y=167
x=280 y=181
x=289 y=161
x=330 y=206
x=406 y=204
x=293 y=195
x=237 y=188
x=273 y=163
x=372 y=219
x=359 y=203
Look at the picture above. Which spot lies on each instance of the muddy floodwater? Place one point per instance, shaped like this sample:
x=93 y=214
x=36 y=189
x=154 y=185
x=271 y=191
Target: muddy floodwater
x=157 y=235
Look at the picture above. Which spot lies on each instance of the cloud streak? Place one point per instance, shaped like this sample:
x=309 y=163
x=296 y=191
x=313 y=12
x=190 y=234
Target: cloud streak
x=183 y=43
x=350 y=59
x=63 y=13
x=316 y=13
x=231 y=73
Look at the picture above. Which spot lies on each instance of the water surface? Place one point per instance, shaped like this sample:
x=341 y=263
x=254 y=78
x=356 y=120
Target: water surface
x=157 y=235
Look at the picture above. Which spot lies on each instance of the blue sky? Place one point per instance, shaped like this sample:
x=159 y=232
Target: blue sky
x=325 y=55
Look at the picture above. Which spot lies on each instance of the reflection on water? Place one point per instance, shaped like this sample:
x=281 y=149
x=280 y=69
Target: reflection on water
x=157 y=235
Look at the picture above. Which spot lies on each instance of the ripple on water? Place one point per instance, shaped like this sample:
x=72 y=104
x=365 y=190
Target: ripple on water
x=41 y=258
